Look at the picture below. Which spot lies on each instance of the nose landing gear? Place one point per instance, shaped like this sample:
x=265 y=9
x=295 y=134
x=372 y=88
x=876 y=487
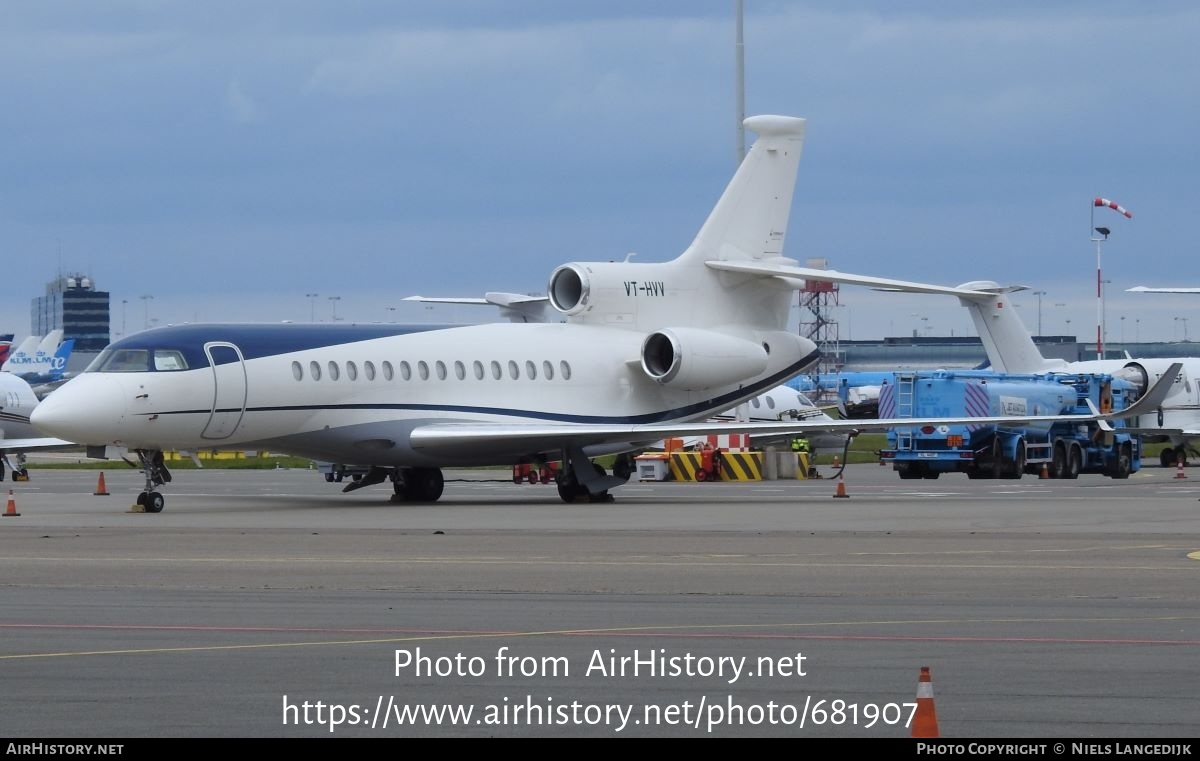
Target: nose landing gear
x=156 y=473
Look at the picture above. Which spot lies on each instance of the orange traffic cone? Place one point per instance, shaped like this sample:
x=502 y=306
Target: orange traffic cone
x=925 y=719
x=11 y=510
x=101 y=489
x=1179 y=468
x=1045 y=471
x=841 y=489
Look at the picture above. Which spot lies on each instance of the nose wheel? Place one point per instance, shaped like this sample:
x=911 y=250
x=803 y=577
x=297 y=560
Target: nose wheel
x=152 y=501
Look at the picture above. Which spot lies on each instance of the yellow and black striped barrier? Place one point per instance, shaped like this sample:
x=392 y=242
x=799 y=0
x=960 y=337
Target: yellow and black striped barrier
x=735 y=466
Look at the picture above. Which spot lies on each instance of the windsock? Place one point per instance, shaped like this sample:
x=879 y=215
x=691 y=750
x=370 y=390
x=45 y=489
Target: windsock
x=1112 y=205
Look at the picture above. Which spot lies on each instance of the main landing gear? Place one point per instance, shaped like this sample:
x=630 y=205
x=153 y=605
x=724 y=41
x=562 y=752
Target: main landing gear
x=18 y=469
x=580 y=478
x=156 y=473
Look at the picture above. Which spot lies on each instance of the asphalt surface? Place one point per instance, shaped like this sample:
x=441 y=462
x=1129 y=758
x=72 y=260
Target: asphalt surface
x=1044 y=609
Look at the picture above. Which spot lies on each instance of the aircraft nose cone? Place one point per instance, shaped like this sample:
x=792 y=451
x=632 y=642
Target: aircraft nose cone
x=87 y=410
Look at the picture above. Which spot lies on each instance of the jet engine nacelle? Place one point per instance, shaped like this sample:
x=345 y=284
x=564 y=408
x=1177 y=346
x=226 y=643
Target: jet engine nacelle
x=1142 y=373
x=622 y=293
x=696 y=359
x=570 y=289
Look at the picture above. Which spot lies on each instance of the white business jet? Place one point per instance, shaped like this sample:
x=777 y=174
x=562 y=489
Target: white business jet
x=645 y=350
x=17 y=435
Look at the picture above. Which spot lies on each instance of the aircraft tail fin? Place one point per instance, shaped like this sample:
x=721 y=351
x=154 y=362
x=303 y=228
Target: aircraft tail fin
x=21 y=355
x=750 y=220
x=1009 y=345
x=58 y=363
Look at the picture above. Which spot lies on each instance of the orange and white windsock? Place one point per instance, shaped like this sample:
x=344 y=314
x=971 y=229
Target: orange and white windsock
x=1112 y=205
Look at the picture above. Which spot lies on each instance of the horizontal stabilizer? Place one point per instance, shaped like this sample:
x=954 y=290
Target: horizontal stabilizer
x=795 y=275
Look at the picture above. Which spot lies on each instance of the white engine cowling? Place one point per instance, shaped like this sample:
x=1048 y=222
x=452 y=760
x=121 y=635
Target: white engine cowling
x=695 y=359
x=569 y=289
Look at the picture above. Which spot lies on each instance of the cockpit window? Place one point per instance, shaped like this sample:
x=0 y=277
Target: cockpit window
x=167 y=360
x=138 y=361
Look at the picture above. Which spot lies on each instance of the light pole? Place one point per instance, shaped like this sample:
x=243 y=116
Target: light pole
x=312 y=306
x=1185 y=338
x=1137 y=330
x=333 y=300
x=391 y=317
x=124 y=309
x=1122 y=331
x=1175 y=330
x=1104 y=233
x=1104 y=312
x=146 y=303
x=1039 y=294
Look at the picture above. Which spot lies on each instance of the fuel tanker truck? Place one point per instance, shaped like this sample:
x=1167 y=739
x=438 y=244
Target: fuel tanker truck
x=1062 y=450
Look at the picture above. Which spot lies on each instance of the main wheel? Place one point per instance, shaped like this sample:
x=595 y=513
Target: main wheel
x=997 y=469
x=623 y=466
x=424 y=484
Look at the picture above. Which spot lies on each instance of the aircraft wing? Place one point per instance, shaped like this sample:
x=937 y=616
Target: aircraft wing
x=1144 y=289
x=31 y=445
x=452 y=438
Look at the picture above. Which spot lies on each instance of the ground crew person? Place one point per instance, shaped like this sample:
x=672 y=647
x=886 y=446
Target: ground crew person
x=800 y=445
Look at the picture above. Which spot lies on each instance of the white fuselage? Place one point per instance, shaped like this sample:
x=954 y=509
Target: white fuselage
x=346 y=400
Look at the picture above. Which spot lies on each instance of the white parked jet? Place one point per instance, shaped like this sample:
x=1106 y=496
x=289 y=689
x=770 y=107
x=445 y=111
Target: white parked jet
x=17 y=435
x=645 y=350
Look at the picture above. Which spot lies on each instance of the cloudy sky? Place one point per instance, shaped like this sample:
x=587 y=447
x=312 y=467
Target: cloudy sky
x=230 y=158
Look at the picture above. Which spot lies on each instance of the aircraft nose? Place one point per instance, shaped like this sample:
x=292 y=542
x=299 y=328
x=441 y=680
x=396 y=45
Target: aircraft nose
x=87 y=410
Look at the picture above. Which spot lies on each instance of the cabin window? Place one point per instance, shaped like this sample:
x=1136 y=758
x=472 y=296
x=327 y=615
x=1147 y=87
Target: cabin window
x=297 y=371
x=423 y=370
x=405 y=371
x=770 y=402
x=565 y=369
x=387 y=370
x=548 y=370
x=460 y=371
x=531 y=369
x=333 y=371
x=478 y=367
x=314 y=369
x=369 y=370
x=513 y=370
x=440 y=366
x=755 y=402
x=351 y=371
x=496 y=370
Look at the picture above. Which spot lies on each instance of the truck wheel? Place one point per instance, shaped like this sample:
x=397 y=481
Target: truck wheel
x=1074 y=463
x=1058 y=462
x=1122 y=464
x=1017 y=468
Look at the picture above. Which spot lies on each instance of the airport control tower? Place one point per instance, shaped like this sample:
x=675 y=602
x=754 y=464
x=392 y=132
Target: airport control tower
x=73 y=304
